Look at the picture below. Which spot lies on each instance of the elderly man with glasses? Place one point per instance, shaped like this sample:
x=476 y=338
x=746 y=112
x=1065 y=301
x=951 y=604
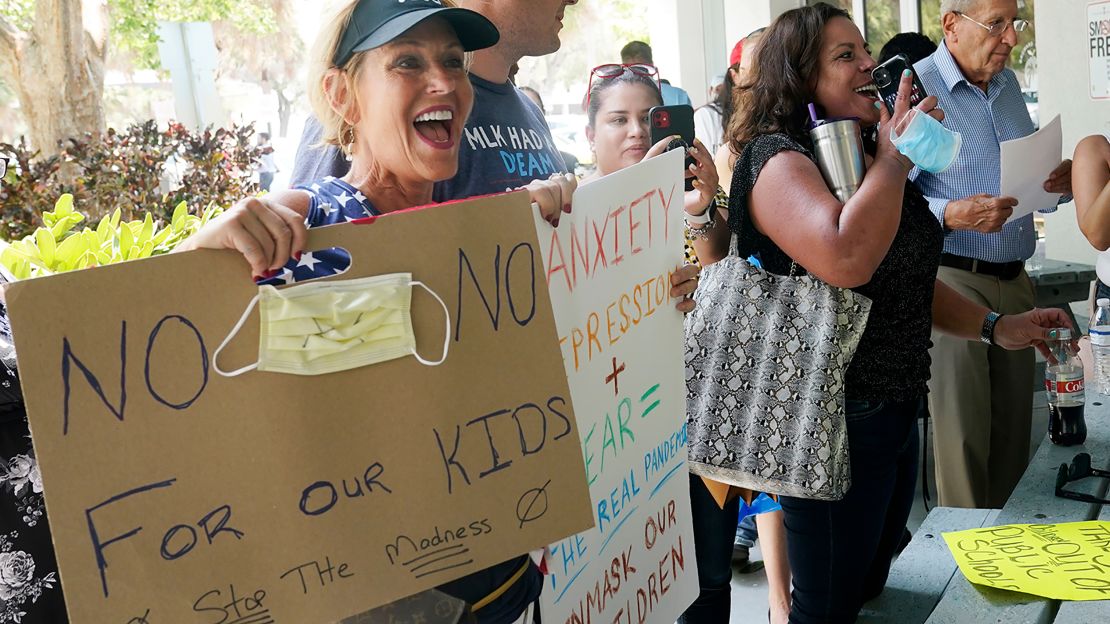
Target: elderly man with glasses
x=981 y=395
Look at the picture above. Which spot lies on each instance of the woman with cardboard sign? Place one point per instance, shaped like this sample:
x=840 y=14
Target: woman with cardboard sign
x=391 y=89
x=619 y=101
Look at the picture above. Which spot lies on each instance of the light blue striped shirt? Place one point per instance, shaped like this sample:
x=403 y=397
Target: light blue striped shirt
x=985 y=121
x=673 y=96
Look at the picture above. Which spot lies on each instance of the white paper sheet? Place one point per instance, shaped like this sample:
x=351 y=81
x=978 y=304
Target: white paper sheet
x=1026 y=164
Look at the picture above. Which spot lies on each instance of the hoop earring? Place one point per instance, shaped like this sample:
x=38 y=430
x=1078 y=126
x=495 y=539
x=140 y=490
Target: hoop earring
x=347 y=138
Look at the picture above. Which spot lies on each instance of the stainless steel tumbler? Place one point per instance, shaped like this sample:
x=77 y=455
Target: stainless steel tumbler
x=838 y=146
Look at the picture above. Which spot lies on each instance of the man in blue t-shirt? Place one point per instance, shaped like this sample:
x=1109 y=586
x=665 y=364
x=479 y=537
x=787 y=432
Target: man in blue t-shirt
x=506 y=144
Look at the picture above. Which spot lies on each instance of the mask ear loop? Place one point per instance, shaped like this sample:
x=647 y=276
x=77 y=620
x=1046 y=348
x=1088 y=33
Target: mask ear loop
x=446 y=338
x=230 y=336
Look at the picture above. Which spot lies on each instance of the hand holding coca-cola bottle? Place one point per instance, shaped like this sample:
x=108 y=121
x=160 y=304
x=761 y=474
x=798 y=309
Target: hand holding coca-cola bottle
x=1029 y=329
x=1064 y=386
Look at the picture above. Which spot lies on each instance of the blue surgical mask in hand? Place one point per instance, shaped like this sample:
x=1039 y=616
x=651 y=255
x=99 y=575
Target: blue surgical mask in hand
x=927 y=143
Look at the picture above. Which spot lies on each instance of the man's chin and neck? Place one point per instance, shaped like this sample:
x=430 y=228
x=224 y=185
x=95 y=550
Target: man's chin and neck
x=493 y=64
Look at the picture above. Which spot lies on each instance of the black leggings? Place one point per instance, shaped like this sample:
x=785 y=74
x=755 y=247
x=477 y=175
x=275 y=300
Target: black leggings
x=840 y=552
x=714 y=533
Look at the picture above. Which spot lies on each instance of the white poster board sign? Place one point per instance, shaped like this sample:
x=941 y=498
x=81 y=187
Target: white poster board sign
x=608 y=268
x=1098 y=48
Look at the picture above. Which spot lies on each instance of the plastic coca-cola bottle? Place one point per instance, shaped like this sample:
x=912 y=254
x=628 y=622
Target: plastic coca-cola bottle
x=1064 y=385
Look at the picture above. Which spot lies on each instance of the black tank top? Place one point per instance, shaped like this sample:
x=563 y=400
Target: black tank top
x=892 y=360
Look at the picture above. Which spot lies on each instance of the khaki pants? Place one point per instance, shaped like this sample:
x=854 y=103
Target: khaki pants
x=981 y=401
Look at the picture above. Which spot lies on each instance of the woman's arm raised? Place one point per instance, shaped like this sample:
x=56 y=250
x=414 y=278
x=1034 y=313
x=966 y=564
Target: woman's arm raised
x=267 y=230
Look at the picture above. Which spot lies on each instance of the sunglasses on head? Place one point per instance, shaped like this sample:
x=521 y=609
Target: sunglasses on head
x=609 y=71
x=1080 y=468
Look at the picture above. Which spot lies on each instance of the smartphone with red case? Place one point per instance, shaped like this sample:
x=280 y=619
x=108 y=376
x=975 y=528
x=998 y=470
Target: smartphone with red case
x=677 y=120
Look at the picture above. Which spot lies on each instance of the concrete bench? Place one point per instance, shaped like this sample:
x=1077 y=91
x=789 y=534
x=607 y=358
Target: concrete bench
x=1034 y=501
x=924 y=569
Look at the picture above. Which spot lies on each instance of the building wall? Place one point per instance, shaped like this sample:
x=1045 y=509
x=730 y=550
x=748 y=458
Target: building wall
x=744 y=16
x=707 y=31
x=1064 y=90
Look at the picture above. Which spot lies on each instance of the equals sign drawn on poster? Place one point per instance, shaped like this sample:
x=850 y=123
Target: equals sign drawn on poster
x=646 y=397
x=438 y=561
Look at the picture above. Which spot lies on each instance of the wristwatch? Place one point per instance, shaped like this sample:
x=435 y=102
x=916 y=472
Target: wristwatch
x=987 y=333
x=696 y=220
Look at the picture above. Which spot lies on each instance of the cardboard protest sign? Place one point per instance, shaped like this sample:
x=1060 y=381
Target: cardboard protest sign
x=608 y=268
x=1069 y=561
x=177 y=495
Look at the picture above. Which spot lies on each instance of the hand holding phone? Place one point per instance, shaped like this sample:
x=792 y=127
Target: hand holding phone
x=887 y=77
x=677 y=121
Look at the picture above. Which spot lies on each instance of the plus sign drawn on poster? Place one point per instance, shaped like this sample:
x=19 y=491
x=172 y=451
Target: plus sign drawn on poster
x=613 y=378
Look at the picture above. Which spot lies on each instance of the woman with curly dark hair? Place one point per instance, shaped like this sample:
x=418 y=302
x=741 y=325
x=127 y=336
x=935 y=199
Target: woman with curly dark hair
x=884 y=244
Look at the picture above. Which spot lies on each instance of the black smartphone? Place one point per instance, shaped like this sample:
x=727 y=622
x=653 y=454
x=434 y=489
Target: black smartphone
x=678 y=121
x=888 y=76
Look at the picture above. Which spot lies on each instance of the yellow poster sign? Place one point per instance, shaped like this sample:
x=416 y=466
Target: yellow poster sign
x=1068 y=561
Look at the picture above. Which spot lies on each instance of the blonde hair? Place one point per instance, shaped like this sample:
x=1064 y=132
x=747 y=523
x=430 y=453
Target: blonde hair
x=336 y=129
x=321 y=61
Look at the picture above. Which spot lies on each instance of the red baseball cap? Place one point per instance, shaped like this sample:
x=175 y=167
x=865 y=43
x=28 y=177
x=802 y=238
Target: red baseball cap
x=737 y=52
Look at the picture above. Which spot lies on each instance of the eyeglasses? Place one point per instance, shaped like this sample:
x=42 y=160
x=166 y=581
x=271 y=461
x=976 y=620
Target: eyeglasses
x=1080 y=469
x=995 y=29
x=609 y=71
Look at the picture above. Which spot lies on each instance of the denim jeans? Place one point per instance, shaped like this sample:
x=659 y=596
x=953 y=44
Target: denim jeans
x=746 y=532
x=714 y=531
x=840 y=551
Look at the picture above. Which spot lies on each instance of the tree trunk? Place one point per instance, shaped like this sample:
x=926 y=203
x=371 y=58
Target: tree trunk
x=57 y=70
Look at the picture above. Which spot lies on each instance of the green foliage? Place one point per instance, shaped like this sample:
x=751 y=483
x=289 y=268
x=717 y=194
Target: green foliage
x=884 y=20
x=137 y=170
x=58 y=247
x=134 y=23
x=929 y=10
x=18 y=12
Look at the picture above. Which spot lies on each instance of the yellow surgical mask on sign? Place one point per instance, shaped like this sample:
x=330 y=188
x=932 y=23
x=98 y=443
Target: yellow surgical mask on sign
x=327 y=327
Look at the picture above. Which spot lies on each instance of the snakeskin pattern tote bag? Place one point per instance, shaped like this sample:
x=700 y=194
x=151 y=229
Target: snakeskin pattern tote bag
x=766 y=357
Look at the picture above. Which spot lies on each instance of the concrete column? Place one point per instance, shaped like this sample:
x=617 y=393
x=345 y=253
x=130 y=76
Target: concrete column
x=677 y=43
x=911 y=17
x=859 y=15
x=188 y=50
x=715 y=44
x=744 y=16
x=691 y=39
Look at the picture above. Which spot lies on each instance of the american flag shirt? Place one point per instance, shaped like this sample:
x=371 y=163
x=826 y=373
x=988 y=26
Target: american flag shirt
x=332 y=201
